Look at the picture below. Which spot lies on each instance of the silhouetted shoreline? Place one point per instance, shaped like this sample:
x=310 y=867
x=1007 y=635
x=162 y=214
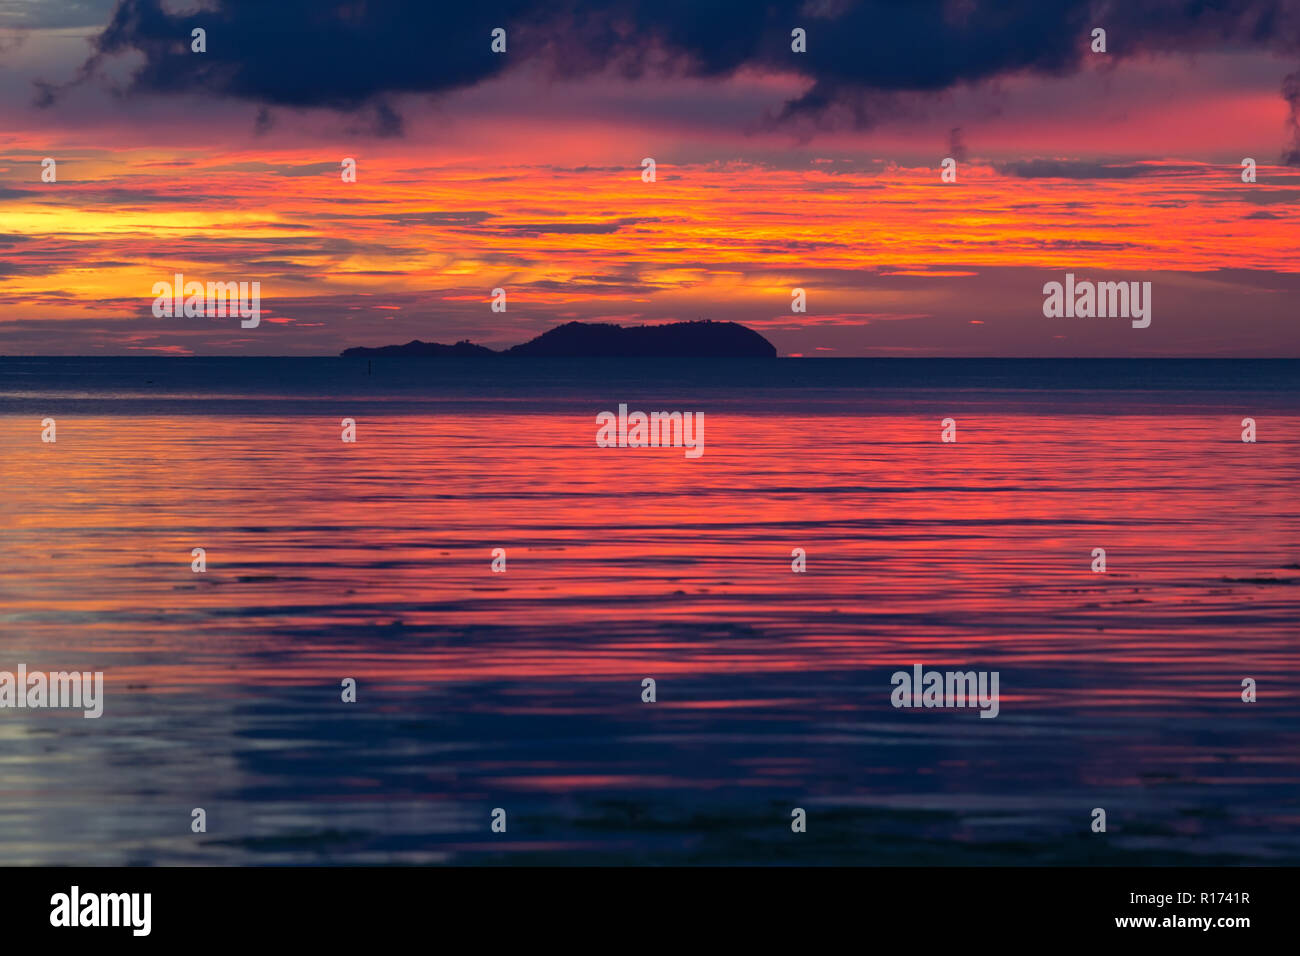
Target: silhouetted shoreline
x=703 y=339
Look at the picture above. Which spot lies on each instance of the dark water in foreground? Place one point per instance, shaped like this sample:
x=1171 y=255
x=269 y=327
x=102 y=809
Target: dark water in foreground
x=522 y=690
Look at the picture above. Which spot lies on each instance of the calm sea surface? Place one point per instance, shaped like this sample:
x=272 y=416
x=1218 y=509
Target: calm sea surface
x=522 y=690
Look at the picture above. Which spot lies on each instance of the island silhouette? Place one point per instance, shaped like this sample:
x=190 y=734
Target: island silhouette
x=700 y=339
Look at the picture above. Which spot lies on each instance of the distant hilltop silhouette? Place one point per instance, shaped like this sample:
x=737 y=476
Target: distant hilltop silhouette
x=704 y=339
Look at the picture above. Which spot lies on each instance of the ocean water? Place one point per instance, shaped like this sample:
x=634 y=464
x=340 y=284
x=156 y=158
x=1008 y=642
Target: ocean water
x=522 y=690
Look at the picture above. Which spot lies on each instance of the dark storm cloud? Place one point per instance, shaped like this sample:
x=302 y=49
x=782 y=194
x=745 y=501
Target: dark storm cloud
x=302 y=53
x=860 y=57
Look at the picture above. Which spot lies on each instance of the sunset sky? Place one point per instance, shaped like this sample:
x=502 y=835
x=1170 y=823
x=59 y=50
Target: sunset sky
x=776 y=170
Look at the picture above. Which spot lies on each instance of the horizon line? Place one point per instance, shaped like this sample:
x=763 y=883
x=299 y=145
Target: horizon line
x=644 y=358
